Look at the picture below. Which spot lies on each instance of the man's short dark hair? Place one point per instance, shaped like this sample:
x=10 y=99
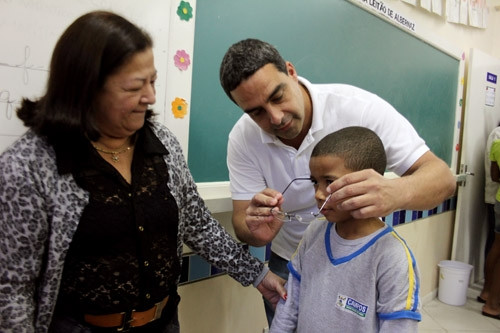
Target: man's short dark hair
x=243 y=59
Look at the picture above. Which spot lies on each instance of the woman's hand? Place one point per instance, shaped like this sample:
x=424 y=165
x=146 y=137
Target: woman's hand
x=272 y=288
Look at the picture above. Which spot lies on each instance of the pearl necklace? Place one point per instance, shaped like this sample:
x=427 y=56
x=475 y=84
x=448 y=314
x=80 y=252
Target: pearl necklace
x=114 y=154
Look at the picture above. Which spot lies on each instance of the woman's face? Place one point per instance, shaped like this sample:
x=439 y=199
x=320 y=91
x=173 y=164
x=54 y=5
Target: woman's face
x=126 y=95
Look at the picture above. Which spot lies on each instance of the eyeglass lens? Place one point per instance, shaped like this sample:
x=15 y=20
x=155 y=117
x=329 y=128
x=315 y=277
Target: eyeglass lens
x=287 y=217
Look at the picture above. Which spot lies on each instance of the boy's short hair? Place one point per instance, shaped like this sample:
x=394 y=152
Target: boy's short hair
x=359 y=147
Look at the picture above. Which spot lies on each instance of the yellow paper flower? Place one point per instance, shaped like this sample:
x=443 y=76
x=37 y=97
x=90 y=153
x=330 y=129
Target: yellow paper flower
x=179 y=107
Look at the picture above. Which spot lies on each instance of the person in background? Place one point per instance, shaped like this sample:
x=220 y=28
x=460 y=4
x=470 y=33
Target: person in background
x=97 y=199
x=491 y=290
x=284 y=117
x=349 y=274
x=490 y=191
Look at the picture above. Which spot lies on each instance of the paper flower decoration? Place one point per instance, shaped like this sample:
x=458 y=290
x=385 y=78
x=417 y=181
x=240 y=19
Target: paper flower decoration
x=179 y=107
x=181 y=60
x=185 y=11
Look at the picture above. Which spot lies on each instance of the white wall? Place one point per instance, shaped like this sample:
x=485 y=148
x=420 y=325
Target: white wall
x=464 y=37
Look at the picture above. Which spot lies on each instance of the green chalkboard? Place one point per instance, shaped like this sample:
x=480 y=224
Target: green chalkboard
x=327 y=41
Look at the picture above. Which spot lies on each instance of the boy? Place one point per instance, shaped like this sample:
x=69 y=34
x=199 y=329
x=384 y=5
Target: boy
x=349 y=275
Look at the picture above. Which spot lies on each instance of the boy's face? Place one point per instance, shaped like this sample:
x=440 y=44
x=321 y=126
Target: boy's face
x=324 y=170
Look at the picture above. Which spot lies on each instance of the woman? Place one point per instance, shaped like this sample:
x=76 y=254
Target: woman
x=96 y=198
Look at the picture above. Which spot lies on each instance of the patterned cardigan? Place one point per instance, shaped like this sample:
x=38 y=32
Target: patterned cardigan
x=40 y=211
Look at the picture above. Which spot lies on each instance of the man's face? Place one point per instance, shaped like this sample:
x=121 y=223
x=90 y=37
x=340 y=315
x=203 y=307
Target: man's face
x=274 y=100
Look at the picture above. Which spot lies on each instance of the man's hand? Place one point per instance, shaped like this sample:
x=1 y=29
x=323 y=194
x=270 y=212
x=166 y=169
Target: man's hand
x=426 y=184
x=259 y=219
x=366 y=194
x=272 y=288
x=253 y=221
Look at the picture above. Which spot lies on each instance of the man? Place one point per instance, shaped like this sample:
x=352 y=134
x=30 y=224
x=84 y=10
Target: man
x=270 y=145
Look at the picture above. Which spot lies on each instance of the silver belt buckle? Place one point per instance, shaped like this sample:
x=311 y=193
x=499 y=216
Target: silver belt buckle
x=159 y=308
x=127 y=320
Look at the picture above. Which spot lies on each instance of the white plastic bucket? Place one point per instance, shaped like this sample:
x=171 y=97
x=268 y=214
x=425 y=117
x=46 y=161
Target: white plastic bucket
x=453 y=282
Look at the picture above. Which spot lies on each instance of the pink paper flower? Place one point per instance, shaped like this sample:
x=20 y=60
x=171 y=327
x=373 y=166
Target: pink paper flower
x=181 y=60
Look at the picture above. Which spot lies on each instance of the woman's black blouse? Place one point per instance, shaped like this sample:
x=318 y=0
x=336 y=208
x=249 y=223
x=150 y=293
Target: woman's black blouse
x=123 y=255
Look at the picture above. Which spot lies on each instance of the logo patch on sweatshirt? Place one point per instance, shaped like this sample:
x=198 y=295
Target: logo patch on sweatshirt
x=351 y=305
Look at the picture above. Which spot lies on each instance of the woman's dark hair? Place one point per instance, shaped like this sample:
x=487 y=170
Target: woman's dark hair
x=92 y=48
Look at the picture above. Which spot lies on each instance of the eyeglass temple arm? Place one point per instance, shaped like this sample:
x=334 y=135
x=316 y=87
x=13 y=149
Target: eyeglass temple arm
x=299 y=178
x=286 y=188
x=324 y=203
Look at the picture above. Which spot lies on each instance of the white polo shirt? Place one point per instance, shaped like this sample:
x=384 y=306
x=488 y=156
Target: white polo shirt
x=257 y=160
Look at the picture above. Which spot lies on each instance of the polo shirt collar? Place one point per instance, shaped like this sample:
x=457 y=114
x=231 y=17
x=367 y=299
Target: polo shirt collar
x=317 y=109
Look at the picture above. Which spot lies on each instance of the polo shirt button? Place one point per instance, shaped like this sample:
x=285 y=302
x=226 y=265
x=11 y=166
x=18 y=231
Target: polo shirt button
x=146 y=263
x=148 y=296
x=141 y=228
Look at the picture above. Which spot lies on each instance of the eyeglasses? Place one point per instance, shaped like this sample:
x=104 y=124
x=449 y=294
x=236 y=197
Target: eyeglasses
x=302 y=218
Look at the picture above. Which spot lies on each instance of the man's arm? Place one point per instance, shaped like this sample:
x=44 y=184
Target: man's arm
x=253 y=222
x=239 y=225
x=366 y=193
x=430 y=182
